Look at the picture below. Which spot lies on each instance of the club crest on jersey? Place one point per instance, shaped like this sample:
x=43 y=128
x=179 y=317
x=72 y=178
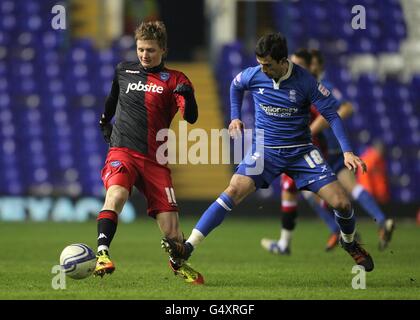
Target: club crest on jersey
x=292 y=95
x=237 y=79
x=325 y=92
x=164 y=76
x=115 y=163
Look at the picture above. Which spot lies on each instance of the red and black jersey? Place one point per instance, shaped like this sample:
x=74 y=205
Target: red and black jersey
x=143 y=102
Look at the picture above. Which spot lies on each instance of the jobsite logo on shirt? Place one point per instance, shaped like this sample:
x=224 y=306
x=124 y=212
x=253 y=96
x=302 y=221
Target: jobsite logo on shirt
x=139 y=86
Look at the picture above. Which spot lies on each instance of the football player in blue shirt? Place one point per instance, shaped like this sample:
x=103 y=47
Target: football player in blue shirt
x=289 y=191
x=283 y=93
x=345 y=177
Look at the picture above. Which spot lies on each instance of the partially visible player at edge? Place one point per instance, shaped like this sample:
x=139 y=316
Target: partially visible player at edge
x=283 y=93
x=335 y=159
x=144 y=99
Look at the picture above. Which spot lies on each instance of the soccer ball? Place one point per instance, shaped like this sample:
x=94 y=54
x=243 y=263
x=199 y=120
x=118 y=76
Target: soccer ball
x=78 y=261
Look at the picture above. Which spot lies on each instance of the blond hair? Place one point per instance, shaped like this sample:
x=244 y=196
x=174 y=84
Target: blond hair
x=152 y=30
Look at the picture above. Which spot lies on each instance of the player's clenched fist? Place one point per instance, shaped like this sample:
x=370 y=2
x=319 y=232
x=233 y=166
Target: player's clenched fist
x=235 y=128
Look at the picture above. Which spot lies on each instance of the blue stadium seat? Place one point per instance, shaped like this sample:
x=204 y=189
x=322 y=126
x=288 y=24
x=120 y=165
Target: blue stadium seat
x=45 y=79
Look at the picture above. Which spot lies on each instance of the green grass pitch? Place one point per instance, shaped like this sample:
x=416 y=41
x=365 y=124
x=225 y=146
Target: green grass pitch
x=231 y=260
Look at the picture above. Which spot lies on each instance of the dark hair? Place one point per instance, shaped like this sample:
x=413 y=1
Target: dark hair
x=304 y=54
x=273 y=45
x=318 y=56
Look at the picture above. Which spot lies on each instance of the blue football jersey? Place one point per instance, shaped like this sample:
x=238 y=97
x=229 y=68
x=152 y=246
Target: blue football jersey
x=333 y=145
x=282 y=109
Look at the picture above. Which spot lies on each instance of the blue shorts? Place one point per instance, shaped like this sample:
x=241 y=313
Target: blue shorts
x=304 y=164
x=336 y=161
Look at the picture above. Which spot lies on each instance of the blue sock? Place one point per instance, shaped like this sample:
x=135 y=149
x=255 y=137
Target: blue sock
x=346 y=222
x=367 y=202
x=215 y=214
x=324 y=214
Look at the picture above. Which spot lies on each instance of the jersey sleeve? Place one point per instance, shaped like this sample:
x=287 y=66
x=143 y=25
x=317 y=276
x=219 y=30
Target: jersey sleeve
x=335 y=92
x=237 y=88
x=112 y=99
x=180 y=100
x=327 y=105
x=186 y=103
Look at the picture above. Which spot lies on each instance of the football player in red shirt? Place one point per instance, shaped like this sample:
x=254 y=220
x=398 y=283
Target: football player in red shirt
x=144 y=98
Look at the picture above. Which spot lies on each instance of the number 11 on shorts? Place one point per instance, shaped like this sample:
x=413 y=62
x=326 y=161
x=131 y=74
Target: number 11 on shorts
x=171 y=195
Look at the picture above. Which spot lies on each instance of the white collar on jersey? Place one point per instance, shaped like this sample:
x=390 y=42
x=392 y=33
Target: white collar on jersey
x=286 y=76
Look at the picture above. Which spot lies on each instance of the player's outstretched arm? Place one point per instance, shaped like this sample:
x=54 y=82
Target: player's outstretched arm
x=236 y=96
x=190 y=108
x=319 y=124
x=239 y=84
x=237 y=88
x=351 y=161
x=109 y=112
x=327 y=106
